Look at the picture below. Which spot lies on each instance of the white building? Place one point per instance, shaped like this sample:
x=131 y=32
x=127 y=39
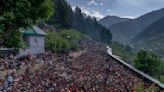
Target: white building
x=34 y=37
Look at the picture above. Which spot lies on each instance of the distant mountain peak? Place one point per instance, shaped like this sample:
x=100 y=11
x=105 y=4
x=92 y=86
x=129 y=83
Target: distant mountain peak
x=125 y=31
x=109 y=20
x=151 y=38
x=113 y=16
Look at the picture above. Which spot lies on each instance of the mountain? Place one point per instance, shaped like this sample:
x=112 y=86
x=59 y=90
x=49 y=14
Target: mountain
x=125 y=31
x=152 y=38
x=110 y=20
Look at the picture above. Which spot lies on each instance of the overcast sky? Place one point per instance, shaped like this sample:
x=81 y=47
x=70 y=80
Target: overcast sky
x=122 y=8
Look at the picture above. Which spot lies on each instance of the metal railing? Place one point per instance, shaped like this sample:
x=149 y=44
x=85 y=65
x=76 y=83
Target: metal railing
x=161 y=85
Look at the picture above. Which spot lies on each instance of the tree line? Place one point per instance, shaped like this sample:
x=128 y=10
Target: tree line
x=65 y=17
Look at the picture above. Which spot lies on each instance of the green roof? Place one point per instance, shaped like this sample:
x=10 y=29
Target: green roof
x=28 y=31
x=33 y=31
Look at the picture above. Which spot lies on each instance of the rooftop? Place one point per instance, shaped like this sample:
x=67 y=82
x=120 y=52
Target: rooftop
x=33 y=30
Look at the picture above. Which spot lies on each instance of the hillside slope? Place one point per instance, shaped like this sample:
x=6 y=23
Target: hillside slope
x=65 y=17
x=125 y=31
x=108 y=21
x=152 y=38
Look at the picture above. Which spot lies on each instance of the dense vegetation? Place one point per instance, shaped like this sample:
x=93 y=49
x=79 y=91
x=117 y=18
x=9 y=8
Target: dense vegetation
x=124 y=51
x=65 y=17
x=140 y=88
x=63 y=14
x=15 y=14
x=63 y=41
x=91 y=27
x=161 y=74
x=147 y=62
x=15 y=41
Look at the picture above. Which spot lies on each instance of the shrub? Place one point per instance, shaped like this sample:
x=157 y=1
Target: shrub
x=147 y=62
x=63 y=41
x=56 y=43
x=139 y=87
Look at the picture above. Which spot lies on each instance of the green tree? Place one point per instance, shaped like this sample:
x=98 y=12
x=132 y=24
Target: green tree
x=124 y=51
x=63 y=14
x=56 y=43
x=15 y=41
x=64 y=40
x=90 y=26
x=65 y=17
x=147 y=62
x=15 y=14
x=73 y=37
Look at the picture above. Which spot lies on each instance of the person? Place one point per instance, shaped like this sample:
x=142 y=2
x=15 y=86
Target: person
x=50 y=63
x=11 y=56
x=70 y=89
x=6 y=85
x=1 y=85
x=30 y=57
x=9 y=79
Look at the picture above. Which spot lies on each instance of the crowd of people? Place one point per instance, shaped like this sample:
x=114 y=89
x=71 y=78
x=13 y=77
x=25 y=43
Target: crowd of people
x=11 y=65
x=92 y=71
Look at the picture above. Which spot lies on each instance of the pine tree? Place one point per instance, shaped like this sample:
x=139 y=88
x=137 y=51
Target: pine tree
x=65 y=17
x=63 y=14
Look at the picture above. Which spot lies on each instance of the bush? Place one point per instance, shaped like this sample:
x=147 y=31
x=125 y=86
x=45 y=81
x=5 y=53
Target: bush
x=147 y=62
x=56 y=43
x=124 y=51
x=73 y=34
x=161 y=67
x=139 y=87
x=161 y=78
x=63 y=41
x=15 y=41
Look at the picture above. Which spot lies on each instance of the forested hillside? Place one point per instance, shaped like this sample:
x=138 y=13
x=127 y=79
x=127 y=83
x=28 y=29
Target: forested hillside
x=151 y=38
x=65 y=17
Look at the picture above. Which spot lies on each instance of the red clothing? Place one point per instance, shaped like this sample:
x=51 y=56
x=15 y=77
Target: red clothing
x=70 y=89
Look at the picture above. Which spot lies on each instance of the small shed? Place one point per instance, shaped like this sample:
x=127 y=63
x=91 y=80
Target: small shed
x=35 y=39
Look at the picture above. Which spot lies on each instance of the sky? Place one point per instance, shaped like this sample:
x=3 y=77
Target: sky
x=121 y=8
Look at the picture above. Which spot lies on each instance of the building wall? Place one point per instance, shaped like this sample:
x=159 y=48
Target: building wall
x=36 y=41
x=36 y=45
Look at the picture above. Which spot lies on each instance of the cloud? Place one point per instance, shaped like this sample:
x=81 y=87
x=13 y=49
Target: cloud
x=92 y=2
x=133 y=2
x=92 y=13
x=130 y=17
x=101 y=4
x=73 y=8
x=109 y=10
x=125 y=8
x=141 y=2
